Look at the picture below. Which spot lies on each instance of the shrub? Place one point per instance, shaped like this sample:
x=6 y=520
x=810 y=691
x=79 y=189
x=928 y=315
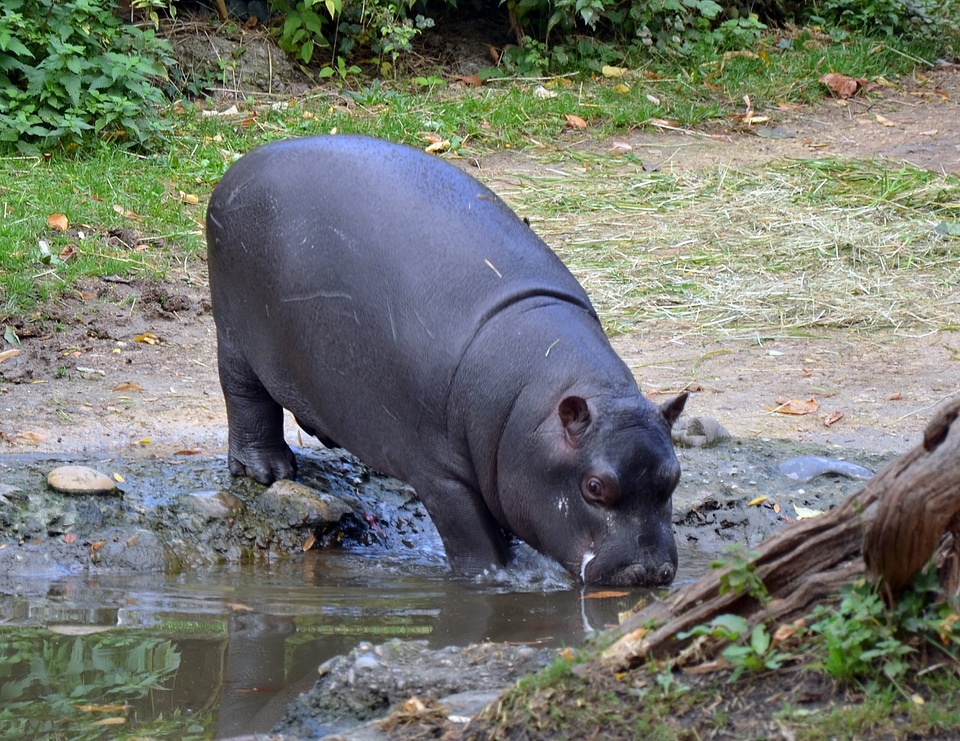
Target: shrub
x=71 y=68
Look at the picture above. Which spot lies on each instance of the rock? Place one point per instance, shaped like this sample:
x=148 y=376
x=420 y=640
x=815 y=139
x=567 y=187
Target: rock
x=699 y=432
x=215 y=505
x=297 y=504
x=371 y=680
x=80 y=480
x=806 y=467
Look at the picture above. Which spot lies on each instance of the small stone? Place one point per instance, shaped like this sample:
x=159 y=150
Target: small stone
x=297 y=504
x=80 y=480
x=216 y=505
x=699 y=432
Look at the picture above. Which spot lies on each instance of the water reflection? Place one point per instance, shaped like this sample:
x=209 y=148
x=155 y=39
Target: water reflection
x=220 y=653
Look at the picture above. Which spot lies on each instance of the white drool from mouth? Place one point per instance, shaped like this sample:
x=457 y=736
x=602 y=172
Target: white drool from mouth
x=587 y=558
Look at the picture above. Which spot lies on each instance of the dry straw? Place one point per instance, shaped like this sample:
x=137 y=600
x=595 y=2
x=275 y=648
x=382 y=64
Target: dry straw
x=788 y=247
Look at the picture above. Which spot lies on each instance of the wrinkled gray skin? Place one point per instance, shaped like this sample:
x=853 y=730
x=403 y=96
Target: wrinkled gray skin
x=399 y=309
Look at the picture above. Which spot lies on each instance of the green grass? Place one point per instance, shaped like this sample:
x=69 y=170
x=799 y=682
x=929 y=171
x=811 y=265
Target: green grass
x=101 y=189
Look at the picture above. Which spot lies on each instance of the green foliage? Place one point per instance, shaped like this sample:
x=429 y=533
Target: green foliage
x=70 y=69
x=930 y=21
x=862 y=634
x=742 y=577
x=755 y=655
x=382 y=26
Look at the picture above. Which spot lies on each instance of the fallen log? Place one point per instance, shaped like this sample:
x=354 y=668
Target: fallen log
x=889 y=530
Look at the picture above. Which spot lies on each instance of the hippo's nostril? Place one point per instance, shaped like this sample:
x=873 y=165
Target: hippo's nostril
x=664 y=573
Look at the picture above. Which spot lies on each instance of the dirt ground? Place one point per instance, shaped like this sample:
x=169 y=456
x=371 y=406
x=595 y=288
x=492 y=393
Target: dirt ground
x=87 y=379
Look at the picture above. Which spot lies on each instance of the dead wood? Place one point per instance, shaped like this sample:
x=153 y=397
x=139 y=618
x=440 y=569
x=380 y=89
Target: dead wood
x=810 y=560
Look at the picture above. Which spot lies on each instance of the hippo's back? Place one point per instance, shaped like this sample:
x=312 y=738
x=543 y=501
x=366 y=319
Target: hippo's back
x=344 y=264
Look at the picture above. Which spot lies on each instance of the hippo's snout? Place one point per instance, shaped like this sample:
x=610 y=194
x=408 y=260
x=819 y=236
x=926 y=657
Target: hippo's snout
x=636 y=575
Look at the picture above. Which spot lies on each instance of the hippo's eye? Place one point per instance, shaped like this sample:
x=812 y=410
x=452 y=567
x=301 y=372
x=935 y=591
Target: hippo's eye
x=597 y=490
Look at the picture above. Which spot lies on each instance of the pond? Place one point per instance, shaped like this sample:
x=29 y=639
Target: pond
x=220 y=652
x=204 y=651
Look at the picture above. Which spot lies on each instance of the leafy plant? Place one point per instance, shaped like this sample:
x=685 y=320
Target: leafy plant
x=858 y=635
x=936 y=21
x=742 y=577
x=70 y=69
x=756 y=655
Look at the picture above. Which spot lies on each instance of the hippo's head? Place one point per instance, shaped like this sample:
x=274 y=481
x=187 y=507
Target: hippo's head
x=595 y=492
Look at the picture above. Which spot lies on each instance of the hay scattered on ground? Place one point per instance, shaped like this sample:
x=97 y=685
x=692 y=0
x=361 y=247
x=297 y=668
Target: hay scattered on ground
x=795 y=246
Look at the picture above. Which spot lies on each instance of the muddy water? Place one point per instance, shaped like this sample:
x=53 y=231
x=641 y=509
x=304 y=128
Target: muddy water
x=222 y=650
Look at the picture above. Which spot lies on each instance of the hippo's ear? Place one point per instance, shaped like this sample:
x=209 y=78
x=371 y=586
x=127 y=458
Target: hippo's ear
x=575 y=417
x=674 y=408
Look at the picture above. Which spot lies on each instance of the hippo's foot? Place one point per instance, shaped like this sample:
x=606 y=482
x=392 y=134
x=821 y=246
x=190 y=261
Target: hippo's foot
x=265 y=465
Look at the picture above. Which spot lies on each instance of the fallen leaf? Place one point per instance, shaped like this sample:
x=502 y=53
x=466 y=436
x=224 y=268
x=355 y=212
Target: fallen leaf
x=127 y=386
x=832 y=418
x=70 y=538
x=189 y=197
x=439 y=146
x=776 y=508
x=805 y=513
x=605 y=594
x=143 y=441
x=653 y=99
x=893 y=397
x=755 y=502
x=98 y=545
x=620 y=148
x=32 y=437
x=541 y=92
x=188 y=452
x=884 y=121
x=309 y=542
x=67 y=252
x=472 y=80
x=664 y=123
x=843 y=86
x=10 y=336
x=147 y=338
x=7 y=354
x=621 y=88
x=131 y=541
x=931 y=132
x=791 y=106
x=795 y=406
x=239 y=607
x=118 y=478
x=575 y=121
x=125 y=213
x=611 y=71
x=58 y=222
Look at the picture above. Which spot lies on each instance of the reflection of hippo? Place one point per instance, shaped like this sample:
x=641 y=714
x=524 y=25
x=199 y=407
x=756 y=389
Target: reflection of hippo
x=398 y=308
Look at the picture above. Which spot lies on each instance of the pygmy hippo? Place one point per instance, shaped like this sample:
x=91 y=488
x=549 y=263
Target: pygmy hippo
x=399 y=309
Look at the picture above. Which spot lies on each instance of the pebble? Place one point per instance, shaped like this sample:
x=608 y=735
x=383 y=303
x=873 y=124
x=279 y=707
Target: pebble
x=80 y=480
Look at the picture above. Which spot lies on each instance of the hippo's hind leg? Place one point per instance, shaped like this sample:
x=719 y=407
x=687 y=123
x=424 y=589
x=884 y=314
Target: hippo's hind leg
x=255 y=421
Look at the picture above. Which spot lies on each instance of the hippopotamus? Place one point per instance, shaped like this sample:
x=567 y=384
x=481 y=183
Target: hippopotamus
x=400 y=310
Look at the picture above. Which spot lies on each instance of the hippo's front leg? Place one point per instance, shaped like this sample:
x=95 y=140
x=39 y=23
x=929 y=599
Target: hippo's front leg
x=472 y=538
x=256 y=445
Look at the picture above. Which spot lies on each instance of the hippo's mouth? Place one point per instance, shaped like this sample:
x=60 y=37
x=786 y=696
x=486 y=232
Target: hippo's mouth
x=593 y=572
